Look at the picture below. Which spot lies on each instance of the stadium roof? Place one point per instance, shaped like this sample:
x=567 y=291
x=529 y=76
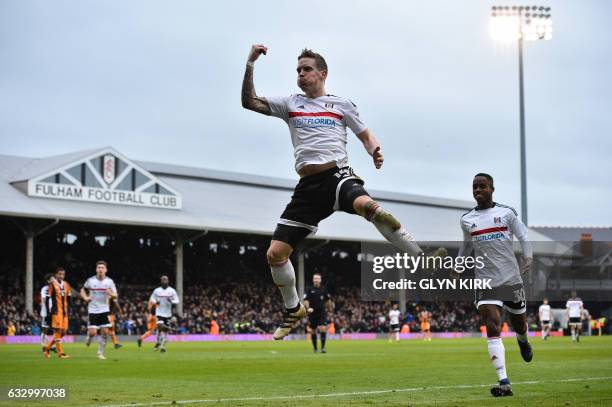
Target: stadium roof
x=575 y=233
x=204 y=199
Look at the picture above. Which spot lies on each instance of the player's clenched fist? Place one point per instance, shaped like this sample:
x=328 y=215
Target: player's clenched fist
x=256 y=51
x=378 y=158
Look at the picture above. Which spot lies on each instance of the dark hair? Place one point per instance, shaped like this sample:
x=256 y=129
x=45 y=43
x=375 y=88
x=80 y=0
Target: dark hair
x=487 y=176
x=319 y=60
x=102 y=262
x=58 y=269
x=48 y=277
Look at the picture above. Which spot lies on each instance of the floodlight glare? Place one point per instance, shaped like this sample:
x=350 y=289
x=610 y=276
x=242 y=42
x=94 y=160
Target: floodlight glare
x=521 y=23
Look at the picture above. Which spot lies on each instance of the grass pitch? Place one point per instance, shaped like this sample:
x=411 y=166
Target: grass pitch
x=453 y=372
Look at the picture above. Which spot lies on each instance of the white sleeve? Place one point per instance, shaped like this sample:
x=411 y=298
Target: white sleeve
x=113 y=287
x=175 y=298
x=352 y=119
x=519 y=229
x=466 y=247
x=278 y=106
x=87 y=284
x=154 y=297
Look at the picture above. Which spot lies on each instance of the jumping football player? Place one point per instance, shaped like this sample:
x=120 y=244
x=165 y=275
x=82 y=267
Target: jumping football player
x=318 y=303
x=488 y=229
x=97 y=292
x=164 y=297
x=574 y=307
x=60 y=294
x=394 y=323
x=317 y=122
x=545 y=319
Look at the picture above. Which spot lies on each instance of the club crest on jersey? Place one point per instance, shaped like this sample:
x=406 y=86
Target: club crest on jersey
x=329 y=105
x=497 y=219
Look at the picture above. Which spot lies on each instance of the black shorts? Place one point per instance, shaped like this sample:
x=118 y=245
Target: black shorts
x=317 y=319
x=163 y=321
x=394 y=328
x=545 y=322
x=98 y=320
x=314 y=198
x=575 y=320
x=510 y=297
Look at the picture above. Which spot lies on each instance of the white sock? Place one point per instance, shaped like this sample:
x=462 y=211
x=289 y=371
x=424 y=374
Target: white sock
x=497 y=353
x=101 y=344
x=164 y=338
x=43 y=339
x=397 y=337
x=284 y=278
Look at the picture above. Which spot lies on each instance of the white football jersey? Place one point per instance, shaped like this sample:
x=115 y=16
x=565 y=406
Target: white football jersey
x=44 y=294
x=544 y=312
x=98 y=293
x=394 y=316
x=317 y=127
x=489 y=232
x=165 y=298
x=575 y=307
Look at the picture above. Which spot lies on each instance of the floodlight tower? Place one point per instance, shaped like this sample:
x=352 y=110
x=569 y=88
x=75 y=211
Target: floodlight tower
x=519 y=23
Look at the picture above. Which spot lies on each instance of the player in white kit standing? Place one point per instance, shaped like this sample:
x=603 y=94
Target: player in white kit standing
x=164 y=298
x=96 y=292
x=394 y=323
x=545 y=315
x=488 y=230
x=317 y=122
x=574 y=307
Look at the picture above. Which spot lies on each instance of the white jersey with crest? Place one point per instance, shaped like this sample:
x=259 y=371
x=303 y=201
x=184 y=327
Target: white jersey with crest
x=574 y=305
x=394 y=316
x=44 y=295
x=165 y=298
x=318 y=127
x=98 y=291
x=544 y=312
x=489 y=232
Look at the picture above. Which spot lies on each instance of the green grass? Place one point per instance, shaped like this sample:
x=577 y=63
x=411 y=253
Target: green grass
x=422 y=373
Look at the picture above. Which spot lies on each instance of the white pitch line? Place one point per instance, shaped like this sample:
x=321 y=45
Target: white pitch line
x=355 y=393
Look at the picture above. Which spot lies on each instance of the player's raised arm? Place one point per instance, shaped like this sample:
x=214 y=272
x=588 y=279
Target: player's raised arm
x=372 y=146
x=250 y=100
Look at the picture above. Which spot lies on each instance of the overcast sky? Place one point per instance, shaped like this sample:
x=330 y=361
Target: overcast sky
x=160 y=81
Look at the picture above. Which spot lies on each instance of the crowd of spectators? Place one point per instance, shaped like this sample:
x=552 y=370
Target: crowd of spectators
x=226 y=281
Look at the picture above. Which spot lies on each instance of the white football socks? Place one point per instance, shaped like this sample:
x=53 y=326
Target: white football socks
x=284 y=278
x=101 y=344
x=497 y=353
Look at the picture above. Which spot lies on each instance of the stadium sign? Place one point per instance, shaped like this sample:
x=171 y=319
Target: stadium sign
x=105 y=177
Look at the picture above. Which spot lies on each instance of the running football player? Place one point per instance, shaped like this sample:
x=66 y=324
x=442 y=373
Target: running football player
x=488 y=230
x=97 y=292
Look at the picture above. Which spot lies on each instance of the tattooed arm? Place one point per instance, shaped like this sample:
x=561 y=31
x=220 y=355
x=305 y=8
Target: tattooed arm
x=250 y=100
